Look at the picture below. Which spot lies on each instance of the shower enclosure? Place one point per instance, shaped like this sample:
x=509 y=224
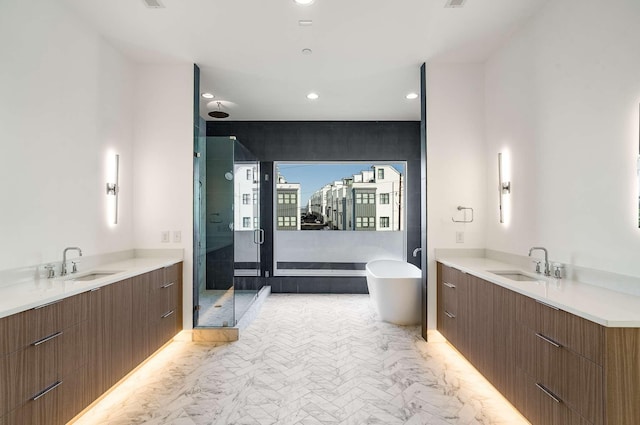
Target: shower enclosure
x=227 y=231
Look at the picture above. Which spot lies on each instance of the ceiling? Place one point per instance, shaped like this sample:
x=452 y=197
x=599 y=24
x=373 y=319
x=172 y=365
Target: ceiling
x=366 y=53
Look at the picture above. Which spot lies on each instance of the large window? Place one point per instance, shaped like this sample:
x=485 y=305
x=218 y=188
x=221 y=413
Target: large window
x=331 y=219
x=338 y=196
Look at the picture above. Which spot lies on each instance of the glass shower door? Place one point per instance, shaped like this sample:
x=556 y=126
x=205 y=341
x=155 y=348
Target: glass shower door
x=227 y=222
x=248 y=234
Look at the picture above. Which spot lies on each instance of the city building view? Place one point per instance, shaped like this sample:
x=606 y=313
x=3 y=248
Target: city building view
x=370 y=200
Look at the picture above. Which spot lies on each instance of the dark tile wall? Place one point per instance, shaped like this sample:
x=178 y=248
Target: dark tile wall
x=328 y=141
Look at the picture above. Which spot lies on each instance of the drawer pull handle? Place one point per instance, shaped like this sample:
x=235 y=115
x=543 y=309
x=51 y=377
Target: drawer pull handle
x=547 y=305
x=549 y=340
x=46 y=390
x=549 y=393
x=449 y=285
x=449 y=315
x=47 y=338
x=167 y=285
x=47 y=304
x=164 y=316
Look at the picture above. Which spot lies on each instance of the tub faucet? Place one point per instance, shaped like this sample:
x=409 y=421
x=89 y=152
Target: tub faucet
x=415 y=251
x=63 y=269
x=547 y=269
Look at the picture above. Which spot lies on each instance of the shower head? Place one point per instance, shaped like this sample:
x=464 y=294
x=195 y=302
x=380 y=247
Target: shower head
x=219 y=113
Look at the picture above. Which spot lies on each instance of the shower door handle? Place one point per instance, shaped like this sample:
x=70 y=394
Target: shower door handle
x=258 y=236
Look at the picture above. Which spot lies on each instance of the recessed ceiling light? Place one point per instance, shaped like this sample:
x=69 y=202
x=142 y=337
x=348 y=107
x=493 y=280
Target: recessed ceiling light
x=412 y=96
x=454 y=3
x=153 y=4
x=207 y=95
x=307 y=51
x=312 y=96
x=305 y=22
x=303 y=2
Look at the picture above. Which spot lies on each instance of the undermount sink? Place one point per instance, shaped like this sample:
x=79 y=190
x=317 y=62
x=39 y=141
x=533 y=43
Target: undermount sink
x=93 y=276
x=514 y=275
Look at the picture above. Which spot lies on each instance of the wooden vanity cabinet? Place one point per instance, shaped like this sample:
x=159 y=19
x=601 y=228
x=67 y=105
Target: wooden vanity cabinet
x=165 y=306
x=504 y=334
x=555 y=367
x=57 y=359
x=44 y=353
x=111 y=335
x=140 y=315
x=466 y=316
x=561 y=354
x=451 y=292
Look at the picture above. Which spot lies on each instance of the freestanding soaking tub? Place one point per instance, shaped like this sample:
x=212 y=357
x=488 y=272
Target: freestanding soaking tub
x=394 y=288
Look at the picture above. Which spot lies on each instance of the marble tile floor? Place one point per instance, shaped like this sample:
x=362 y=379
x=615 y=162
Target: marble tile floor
x=218 y=307
x=308 y=359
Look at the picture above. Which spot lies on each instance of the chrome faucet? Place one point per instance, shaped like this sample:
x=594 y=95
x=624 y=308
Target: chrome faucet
x=415 y=251
x=63 y=269
x=547 y=269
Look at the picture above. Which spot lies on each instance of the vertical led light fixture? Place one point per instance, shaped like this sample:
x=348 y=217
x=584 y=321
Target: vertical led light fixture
x=113 y=188
x=504 y=187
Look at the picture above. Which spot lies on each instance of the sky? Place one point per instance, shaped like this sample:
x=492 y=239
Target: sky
x=314 y=176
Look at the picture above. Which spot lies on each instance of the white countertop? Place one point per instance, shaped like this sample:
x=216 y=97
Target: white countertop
x=604 y=306
x=25 y=295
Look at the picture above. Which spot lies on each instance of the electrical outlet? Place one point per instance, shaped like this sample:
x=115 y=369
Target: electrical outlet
x=177 y=236
x=165 y=236
x=459 y=237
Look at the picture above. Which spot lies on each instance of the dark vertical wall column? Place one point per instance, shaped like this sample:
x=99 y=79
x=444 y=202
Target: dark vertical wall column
x=266 y=218
x=329 y=141
x=199 y=129
x=423 y=194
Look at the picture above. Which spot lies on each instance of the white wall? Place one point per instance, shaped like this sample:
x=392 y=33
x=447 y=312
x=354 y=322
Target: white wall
x=64 y=104
x=456 y=172
x=562 y=98
x=163 y=156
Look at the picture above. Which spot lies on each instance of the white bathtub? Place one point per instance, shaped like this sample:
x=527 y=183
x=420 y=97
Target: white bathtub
x=395 y=291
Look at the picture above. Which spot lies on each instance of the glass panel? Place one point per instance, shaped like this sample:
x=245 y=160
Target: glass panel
x=227 y=222
x=246 y=237
x=216 y=290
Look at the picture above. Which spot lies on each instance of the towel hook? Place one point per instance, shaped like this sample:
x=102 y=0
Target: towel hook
x=464 y=220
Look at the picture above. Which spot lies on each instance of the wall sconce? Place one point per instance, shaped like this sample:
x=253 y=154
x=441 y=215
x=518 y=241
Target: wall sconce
x=113 y=188
x=504 y=187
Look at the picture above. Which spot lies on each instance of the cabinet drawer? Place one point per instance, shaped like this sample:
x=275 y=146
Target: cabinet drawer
x=20 y=330
x=58 y=405
x=166 y=276
x=575 y=380
x=451 y=276
x=33 y=369
x=572 y=332
x=449 y=299
x=537 y=404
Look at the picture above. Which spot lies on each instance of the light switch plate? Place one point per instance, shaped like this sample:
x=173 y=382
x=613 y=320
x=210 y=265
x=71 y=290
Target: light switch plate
x=459 y=237
x=177 y=236
x=165 y=236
